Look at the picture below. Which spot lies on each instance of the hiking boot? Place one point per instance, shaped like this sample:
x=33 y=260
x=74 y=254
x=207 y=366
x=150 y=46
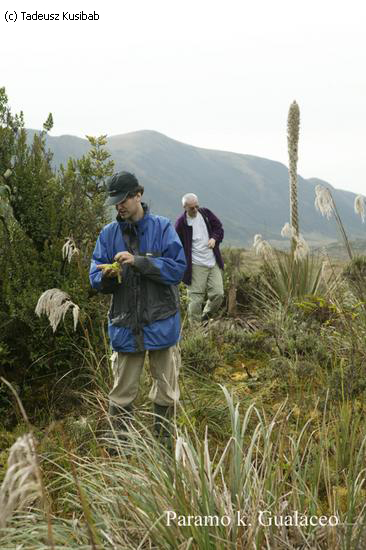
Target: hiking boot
x=121 y=418
x=162 y=427
x=205 y=320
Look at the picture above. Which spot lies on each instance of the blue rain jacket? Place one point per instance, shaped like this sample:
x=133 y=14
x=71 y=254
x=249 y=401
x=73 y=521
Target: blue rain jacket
x=144 y=312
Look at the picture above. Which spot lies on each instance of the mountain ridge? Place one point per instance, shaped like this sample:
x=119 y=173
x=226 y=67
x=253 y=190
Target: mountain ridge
x=250 y=194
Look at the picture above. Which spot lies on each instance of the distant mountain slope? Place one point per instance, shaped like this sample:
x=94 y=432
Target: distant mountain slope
x=250 y=194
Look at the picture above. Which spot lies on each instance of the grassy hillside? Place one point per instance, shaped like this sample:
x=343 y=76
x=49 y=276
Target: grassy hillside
x=271 y=418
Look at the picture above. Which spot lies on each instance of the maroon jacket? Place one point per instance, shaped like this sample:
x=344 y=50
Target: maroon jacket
x=215 y=231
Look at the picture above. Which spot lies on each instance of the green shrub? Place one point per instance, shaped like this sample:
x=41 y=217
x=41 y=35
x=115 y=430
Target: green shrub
x=317 y=308
x=199 y=351
x=44 y=208
x=251 y=345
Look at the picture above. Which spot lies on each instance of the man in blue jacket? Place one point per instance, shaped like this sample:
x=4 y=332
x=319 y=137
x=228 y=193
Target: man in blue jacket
x=201 y=233
x=144 y=312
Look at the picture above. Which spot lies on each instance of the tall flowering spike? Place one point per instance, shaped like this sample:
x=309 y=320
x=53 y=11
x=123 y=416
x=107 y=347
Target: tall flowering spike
x=55 y=303
x=360 y=207
x=293 y=130
x=323 y=201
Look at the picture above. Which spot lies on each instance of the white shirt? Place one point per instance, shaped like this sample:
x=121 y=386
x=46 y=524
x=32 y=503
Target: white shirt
x=201 y=253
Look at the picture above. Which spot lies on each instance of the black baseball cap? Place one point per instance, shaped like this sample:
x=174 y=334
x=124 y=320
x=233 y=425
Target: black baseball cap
x=119 y=186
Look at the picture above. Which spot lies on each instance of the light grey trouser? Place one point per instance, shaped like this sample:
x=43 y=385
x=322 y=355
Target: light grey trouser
x=164 y=368
x=204 y=279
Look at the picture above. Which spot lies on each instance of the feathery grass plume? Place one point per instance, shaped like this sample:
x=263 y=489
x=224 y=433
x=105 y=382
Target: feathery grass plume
x=55 y=303
x=325 y=204
x=323 y=201
x=293 y=128
x=360 y=207
x=69 y=249
x=262 y=247
x=287 y=231
x=301 y=246
x=30 y=444
x=21 y=484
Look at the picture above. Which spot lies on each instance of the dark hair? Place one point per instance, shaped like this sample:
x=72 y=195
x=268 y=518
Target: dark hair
x=139 y=189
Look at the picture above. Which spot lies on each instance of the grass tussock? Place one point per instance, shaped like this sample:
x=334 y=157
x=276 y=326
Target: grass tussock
x=142 y=497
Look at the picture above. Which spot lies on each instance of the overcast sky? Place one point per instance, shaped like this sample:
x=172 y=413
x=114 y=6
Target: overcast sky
x=213 y=74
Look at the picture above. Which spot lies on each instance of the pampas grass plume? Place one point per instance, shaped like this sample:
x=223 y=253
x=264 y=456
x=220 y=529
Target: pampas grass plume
x=323 y=201
x=360 y=207
x=69 y=249
x=262 y=247
x=21 y=484
x=55 y=304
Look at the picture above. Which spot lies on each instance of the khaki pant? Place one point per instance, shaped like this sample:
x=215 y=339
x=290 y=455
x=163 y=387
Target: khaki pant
x=204 y=279
x=164 y=368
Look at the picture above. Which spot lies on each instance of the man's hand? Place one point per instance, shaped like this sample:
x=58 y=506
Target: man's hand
x=110 y=270
x=110 y=273
x=125 y=258
x=211 y=243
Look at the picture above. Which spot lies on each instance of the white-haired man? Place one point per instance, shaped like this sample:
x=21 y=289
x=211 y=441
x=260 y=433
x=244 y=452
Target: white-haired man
x=201 y=233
